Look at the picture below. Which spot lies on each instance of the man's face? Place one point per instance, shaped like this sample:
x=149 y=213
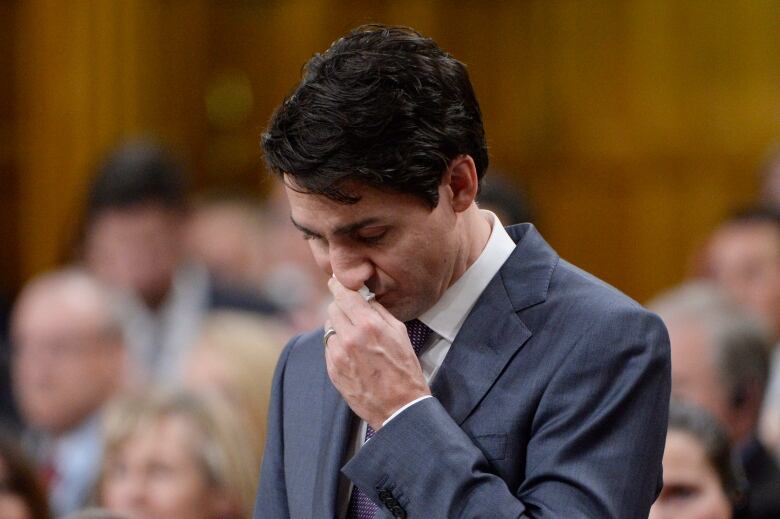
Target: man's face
x=694 y=373
x=65 y=362
x=745 y=259
x=404 y=251
x=136 y=248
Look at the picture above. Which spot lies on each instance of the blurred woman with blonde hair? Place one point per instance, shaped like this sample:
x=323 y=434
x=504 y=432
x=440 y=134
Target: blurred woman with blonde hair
x=235 y=356
x=171 y=455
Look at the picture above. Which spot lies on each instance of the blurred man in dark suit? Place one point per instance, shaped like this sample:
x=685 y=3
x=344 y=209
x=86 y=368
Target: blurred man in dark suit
x=133 y=239
x=743 y=256
x=68 y=360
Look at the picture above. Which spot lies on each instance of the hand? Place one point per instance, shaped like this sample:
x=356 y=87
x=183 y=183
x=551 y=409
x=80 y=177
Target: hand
x=370 y=359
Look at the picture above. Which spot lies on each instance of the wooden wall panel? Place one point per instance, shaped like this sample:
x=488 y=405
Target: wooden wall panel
x=9 y=264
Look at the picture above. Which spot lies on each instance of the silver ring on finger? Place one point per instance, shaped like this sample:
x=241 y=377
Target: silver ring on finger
x=328 y=333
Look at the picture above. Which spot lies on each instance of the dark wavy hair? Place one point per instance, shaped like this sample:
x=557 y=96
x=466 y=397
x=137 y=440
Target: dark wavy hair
x=384 y=106
x=138 y=171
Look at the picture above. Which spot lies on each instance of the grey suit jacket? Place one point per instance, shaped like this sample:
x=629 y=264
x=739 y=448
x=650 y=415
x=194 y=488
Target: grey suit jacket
x=552 y=402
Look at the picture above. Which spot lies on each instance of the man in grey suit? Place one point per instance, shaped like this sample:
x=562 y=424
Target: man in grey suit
x=484 y=376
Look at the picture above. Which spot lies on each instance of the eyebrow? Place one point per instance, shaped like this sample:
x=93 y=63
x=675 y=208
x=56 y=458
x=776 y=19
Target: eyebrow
x=340 y=231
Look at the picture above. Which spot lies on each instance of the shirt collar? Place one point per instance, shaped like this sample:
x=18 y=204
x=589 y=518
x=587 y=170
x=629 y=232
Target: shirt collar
x=77 y=450
x=449 y=313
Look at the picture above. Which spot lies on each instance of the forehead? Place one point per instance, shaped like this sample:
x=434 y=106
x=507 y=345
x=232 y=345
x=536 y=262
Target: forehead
x=155 y=426
x=63 y=305
x=134 y=216
x=691 y=346
x=736 y=239
x=684 y=457
x=317 y=212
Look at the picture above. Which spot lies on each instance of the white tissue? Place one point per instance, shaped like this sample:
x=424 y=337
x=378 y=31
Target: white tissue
x=366 y=293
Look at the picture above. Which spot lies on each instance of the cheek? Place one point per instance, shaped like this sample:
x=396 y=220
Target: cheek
x=711 y=504
x=116 y=495
x=415 y=264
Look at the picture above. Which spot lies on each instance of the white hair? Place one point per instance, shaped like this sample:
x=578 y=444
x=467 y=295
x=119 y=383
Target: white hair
x=741 y=343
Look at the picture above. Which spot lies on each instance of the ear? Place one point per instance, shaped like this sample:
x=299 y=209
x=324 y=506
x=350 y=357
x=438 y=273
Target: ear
x=462 y=181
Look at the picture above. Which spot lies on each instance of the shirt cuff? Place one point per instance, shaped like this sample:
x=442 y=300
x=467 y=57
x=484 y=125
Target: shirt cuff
x=404 y=408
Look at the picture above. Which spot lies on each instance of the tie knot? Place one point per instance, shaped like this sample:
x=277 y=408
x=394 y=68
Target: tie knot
x=418 y=334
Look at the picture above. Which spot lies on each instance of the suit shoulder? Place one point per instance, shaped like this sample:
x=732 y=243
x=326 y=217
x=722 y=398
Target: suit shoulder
x=580 y=302
x=588 y=294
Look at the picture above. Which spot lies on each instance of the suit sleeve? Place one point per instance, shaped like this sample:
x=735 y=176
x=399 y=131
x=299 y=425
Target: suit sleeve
x=595 y=445
x=271 y=498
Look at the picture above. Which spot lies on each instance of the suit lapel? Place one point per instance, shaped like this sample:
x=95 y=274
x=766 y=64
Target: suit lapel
x=494 y=332
x=333 y=437
x=489 y=338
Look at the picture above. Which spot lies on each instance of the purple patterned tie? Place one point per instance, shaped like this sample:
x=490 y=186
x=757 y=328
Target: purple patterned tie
x=360 y=506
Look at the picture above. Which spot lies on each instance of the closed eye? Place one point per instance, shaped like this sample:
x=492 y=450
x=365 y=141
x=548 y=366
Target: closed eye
x=372 y=236
x=680 y=491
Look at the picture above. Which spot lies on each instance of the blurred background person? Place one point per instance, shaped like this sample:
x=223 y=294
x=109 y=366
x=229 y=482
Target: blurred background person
x=292 y=279
x=176 y=455
x=134 y=239
x=743 y=256
x=701 y=480
x=249 y=245
x=235 y=357
x=68 y=360
x=21 y=494
x=227 y=236
x=719 y=362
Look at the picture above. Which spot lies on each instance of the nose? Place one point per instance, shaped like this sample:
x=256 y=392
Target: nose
x=350 y=266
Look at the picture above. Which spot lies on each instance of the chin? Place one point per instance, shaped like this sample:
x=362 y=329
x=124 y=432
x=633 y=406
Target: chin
x=396 y=308
x=404 y=310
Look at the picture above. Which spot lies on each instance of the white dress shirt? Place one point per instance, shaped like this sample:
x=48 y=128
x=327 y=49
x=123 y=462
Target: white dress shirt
x=447 y=316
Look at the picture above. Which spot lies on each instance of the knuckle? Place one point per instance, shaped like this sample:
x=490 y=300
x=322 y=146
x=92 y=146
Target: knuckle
x=372 y=325
x=364 y=328
x=349 y=342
